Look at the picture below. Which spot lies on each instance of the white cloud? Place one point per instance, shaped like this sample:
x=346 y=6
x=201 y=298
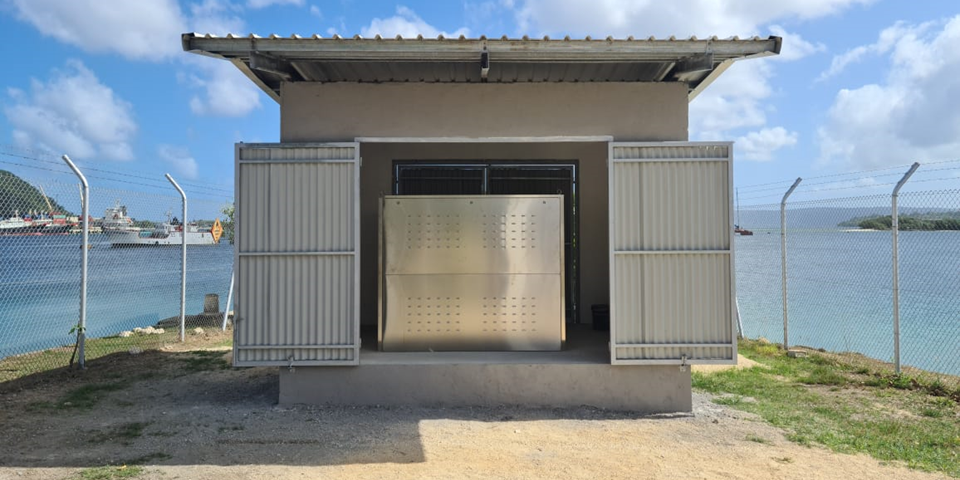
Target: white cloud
x=794 y=46
x=224 y=90
x=760 y=145
x=143 y=30
x=269 y=3
x=150 y=30
x=315 y=11
x=72 y=113
x=217 y=17
x=406 y=23
x=740 y=97
x=912 y=114
x=679 y=17
x=180 y=160
x=888 y=38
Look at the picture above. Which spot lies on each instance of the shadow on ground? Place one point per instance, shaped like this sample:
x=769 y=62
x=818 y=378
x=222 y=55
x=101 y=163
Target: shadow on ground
x=191 y=408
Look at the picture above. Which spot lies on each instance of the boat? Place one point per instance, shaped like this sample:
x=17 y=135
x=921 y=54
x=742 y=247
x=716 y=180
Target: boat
x=169 y=233
x=115 y=219
x=29 y=225
x=737 y=229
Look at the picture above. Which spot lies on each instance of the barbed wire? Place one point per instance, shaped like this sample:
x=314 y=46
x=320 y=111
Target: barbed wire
x=161 y=185
x=856 y=174
x=109 y=172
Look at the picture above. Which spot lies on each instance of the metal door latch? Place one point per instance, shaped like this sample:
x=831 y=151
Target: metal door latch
x=683 y=363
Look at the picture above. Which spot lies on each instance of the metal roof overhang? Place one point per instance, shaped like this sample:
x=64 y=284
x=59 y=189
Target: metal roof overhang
x=269 y=62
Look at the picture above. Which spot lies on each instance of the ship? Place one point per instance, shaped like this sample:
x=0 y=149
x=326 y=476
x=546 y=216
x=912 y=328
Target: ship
x=169 y=233
x=29 y=225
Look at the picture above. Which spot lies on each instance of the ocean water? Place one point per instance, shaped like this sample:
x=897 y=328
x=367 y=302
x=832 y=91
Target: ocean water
x=128 y=287
x=840 y=293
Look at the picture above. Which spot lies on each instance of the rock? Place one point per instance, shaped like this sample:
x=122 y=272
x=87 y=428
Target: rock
x=197 y=331
x=125 y=334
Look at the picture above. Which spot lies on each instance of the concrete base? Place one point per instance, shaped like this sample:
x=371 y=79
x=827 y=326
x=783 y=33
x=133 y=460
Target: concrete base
x=633 y=388
x=580 y=375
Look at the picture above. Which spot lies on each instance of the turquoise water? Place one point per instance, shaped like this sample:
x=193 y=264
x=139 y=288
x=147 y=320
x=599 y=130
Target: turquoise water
x=128 y=287
x=840 y=293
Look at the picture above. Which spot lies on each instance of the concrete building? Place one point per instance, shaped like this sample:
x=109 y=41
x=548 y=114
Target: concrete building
x=396 y=218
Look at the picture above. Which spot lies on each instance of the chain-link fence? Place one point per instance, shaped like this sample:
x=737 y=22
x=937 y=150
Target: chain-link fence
x=134 y=268
x=840 y=287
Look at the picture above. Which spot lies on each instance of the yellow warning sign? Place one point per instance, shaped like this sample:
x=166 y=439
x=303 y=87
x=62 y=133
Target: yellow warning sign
x=216 y=231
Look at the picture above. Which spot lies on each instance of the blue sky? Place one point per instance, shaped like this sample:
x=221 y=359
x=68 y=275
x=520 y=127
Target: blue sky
x=861 y=85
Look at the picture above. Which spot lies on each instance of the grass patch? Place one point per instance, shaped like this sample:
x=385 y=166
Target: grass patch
x=111 y=472
x=203 y=360
x=12 y=368
x=123 y=433
x=86 y=396
x=149 y=458
x=757 y=439
x=823 y=401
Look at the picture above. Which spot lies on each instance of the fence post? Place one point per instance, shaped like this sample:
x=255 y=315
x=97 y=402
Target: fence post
x=895 y=228
x=783 y=257
x=226 y=310
x=183 y=257
x=84 y=247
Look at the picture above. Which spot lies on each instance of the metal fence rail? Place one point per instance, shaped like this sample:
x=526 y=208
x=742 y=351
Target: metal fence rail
x=133 y=293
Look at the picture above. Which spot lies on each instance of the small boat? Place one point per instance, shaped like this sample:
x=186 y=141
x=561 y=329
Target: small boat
x=736 y=227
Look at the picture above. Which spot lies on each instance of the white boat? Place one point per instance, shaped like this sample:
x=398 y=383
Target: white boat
x=115 y=219
x=169 y=233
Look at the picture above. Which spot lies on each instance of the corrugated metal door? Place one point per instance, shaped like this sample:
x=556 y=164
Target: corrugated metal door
x=671 y=243
x=297 y=260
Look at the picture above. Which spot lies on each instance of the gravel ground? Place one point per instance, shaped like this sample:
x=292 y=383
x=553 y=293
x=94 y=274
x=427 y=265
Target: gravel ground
x=224 y=423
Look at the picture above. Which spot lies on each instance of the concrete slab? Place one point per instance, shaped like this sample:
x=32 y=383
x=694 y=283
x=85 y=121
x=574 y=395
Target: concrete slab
x=579 y=375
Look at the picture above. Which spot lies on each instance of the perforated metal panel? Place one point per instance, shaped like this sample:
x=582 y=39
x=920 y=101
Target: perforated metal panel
x=473 y=273
x=671 y=243
x=297 y=264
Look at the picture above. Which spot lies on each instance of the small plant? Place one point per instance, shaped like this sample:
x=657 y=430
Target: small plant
x=111 y=472
x=87 y=396
x=757 y=439
x=931 y=412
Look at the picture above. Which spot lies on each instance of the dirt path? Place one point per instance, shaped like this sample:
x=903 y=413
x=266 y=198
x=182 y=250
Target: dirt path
x=223 y=423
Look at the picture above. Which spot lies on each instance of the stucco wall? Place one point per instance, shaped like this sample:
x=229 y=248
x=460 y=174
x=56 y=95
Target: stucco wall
x=312 y=112
x=376 y=176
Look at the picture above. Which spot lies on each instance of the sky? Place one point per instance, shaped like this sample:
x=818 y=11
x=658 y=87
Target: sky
x=861 y=89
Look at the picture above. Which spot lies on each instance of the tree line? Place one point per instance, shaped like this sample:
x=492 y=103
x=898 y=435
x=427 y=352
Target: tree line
x=906 y=223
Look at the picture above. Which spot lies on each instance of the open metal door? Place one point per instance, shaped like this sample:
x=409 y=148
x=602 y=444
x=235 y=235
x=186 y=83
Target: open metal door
x=297 y=254
x=672 y=283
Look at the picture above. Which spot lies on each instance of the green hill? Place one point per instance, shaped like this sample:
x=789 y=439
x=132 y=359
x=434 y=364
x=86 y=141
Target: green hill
x=16 y=195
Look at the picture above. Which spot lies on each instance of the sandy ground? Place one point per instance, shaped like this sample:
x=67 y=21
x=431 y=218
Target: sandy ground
x=225 y=424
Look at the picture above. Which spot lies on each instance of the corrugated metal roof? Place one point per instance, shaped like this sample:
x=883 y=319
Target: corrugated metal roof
x=270 y=61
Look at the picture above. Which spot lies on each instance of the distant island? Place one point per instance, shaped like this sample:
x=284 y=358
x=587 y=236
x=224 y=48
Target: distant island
x=913 y=222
